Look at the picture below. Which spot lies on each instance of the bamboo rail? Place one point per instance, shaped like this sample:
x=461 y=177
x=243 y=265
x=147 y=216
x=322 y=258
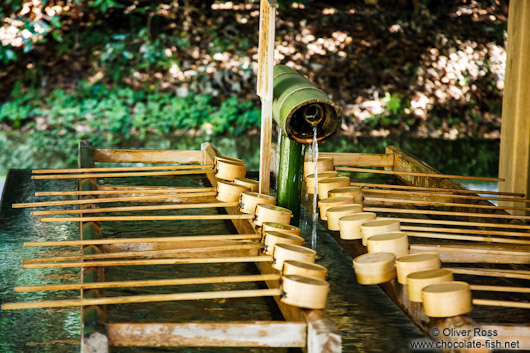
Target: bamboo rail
x=138 y=208
x=122 y=169
x=237 y=259
x=144 y=299
x=145 y=240
x=121 y=175
x=111 y=199
x=146 y=218
x=432 y=175
x=422 y=188
x=149 y=283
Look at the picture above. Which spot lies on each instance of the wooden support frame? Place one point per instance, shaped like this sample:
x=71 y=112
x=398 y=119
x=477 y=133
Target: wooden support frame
x=359 y=159
x=210 y=334
x=93 y=318
x=514 y=161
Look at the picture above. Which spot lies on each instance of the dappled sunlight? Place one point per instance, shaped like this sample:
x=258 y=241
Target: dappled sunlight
x=14 y=31
x=433 y=70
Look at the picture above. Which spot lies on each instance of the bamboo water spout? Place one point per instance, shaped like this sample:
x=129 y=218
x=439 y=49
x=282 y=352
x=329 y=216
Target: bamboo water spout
x=301 y=110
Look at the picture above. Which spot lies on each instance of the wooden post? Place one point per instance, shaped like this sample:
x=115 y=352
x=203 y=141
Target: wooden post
x=93 y=318
x=514 y=163
x=264 y=87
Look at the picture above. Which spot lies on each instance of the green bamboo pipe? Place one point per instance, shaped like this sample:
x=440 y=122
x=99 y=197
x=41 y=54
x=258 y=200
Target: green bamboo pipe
x=290 y=173
x=298 y=106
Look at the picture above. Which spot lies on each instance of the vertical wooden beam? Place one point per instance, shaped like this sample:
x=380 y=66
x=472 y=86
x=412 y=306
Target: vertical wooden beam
x=93 y=318
x=514 y=164
x=264 y=87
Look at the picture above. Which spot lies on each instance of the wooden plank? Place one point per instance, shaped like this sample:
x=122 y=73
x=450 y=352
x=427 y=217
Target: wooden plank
x=267 y=26
x=475 y=253
x=210 y=152
x=359 y=159
x=403 y=161
x=209 y=334
x=514 y=161
x=147 y=156
x=93 y=318
x=322 y=335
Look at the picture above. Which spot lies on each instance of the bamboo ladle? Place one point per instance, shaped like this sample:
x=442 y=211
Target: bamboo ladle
x=424 y=188
x=432 y=175
x=148 y=283
x=122 y=175
x=125 y=191
x=138 y=208
x=391 y=201
x=143 y=254
x=443 y=213
x=148 y=218
x=123 y=169
x=295 y=290
x=436 y=194
x=463 y=223
x=144 y=240
x=169 y=195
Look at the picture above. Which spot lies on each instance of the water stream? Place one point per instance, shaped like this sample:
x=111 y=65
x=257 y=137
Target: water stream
x=314 y=155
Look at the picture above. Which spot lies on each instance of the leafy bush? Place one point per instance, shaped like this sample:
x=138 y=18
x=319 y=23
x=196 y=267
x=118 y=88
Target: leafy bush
x=109 y=115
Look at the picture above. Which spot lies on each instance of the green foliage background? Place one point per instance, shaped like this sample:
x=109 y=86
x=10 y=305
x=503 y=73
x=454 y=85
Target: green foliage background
x=110 y=70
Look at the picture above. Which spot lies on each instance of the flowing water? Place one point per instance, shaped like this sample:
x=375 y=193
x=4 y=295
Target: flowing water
x=278 y=148
x=366 y=317
x=314 y=155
